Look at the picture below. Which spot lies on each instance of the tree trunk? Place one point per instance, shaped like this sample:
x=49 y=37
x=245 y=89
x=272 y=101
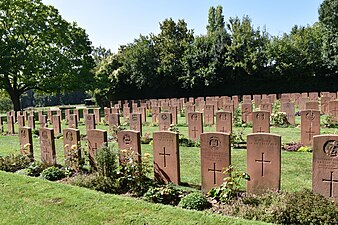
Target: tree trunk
x=15 y=97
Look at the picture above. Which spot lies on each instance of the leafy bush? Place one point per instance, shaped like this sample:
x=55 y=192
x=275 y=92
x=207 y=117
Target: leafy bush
x=329 y=121
x=237 y=117
x=34 y=169
x=237 y=138
x=292 y=146
x=106 y=162
x=53 y=173
x=279 y=119
x=146 y=139
x=186 y=142
x=195 y=201
x=230 y=187
x=167 y=194
x=12 y=163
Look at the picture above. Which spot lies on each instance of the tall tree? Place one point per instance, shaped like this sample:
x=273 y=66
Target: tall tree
x=41 y=51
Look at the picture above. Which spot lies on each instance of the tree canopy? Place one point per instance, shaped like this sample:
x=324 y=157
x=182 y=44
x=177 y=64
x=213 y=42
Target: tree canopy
x=41 y=51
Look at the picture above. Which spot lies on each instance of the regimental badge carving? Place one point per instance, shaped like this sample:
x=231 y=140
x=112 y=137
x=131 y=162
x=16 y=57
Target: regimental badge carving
x=222 y=116
x=127 y=139
x=310 y=116
x=164 y=117
x=331 y=148
x=260 y=116
x=89 y=117
x=194 y=117
x=134 y=117
x=44 y=134
x=23 y=133
x=214 y=143
x=69 y=136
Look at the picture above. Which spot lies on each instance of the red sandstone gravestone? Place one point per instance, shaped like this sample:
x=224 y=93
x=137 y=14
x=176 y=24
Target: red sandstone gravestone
x=155 y=111
x=266 y=107
x=31 y=122
x=114 y=120
x=325 y=166
x=173 y=111
x=135 y=122
x=209 y=114
x=224 y=122
x=261 y=122
x=246 y=112
x=333 y=109
x=263 y=162
x=164 y=121
x=311 y=105
x=289 y=109
x=56 y=120
x=72 y=148
x=195 y=125
x=72 y=121
x=96 y=140
x=26 y=142
x=10 y=124
x=90 y=122
x=324 y=105
x=129 y=141
x=166 y=157
x=47 y=145
x=310 y=125
x=215 y=156
x=21 y=121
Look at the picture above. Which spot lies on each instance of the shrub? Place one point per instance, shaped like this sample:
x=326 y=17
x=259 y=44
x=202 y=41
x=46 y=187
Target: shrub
x=146 y=139
x=167 y=194
x=106 y=162
x=329 y=121
x=53 y=173
x=186 y=142
x=292 y=146
x=279 y=119
x=230 y=187
x=237 y=117
x=12 y=163
x=34 y=169
x=195 y=201
x=237 y=138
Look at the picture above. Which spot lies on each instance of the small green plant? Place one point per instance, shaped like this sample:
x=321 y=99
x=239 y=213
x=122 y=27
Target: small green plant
x=34 y=169
x=146 y=139
x=195 y=201
x=230 y=187
x=276 y=106
x=166 y=194
x=329 y=121
x=304 y=149
x=279 y=119
x=53 y=173
x=106 y=161
x=237 y=138
x=13 y=162
x=237 y=117
x=186 y=142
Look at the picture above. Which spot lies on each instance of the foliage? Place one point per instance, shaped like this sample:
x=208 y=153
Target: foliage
x=237 y=121
x=186 y=142
x=146 y=138
x=34 y=169
x=106 y=162
x=237 y=138
x=5 y=102
x=230 y=187
x=41 y=51
x=52 y=173
x=195 y=201
x=13 y=162
x=279 y=119
x=305 y=149
x=329 y=121
x=167 y=194
x=292 y=146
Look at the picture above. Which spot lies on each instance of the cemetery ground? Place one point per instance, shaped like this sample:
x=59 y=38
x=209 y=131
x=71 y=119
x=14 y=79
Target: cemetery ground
x=22 y=194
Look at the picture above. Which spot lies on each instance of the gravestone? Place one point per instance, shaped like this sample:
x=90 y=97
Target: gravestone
x=215 y=156
x=333 y=96
x=56 y=120
x=114 y=120
x=143 y=112
x=263 y=162
x=266 y=107
x=189 y=109
x=76 y=112
x=261 y=122
x=155 y=111
x=209 y=113
x=129 y=141
x=311 y=105
x=247 y=99
x=166 y=157
x=21 y=121
x=26 y=142
x=333 y=109
x=72 y=121
x=173 y=111
x=126 y=114
x=1 y=125
x=107 y=112
x=43 y=121
x=257 y=100
x=72 y=148
x=228 y=107
x=47 y=145
x=31 y=122
x=235 y=101
x=310 y=125
x=313 y=96
x=324 y=105
x=10 y=124
x=90 y=122
x=97 y=115
x=195 y=125
x=135 y=122
x=224 y=122
x=96 y=140
x=164 y=121
x=302 y=103
x=246 y=112
x=85 y=112
x=325 y=166
x=289 y=109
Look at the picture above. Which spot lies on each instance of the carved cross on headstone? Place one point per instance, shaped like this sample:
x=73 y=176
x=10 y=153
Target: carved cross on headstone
x=310 y=132
x=331 y=181
x=214 y=171
x=194 y=130
x=262 y=161
x=164 y=157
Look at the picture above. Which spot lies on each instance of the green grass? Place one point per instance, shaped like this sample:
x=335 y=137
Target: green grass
x=27 y=200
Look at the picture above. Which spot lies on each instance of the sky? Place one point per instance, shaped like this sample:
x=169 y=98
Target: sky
x=111 y=23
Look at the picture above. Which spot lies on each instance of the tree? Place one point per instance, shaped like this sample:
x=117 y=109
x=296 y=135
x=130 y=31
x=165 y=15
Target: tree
x=41 y=51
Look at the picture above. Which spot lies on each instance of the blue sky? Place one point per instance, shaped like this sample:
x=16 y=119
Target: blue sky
x=111 y=23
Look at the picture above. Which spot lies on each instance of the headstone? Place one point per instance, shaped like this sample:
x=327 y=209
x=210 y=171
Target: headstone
x=266 y=107
x=47 y=145
x=1 y=125
x=209 y=113
x=324 y=105
x=228 y=107
x=107 y=112
x=26 y=142
x=224 y=122
x=72 y=121
x=97 y=115
x=289 y=109
x=96 y=140
x=155 y=111
x=72 y=148
x=247 y=99
x=215 y=156
x=129 y=141
x=21 y=121
x=135 y=122
x=56 y=124
x=195 y=125
x=311 y=105
x=302 y=103
x=90 y=122
x=67 y=113
x=85 y=112
x=235 y=101
x=257 y=100
x=173 y=111
x=114 y=120
x=143 y=112
x=166 y=157
x=333 y=109
x=246 y=112
x=126 y=113
x=31 y=122
x=310 y=125
x=10 y=124
x=43 y=121
x=313 y=96
x=325 y=166
x=164 y=121
x=76 y=112
x=261 y=122
x=263 y=162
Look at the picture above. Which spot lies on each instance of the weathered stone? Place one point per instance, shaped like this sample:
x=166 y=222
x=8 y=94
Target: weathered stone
x=246 y=112
x=261 y=122
x=129 y=145
x=96 y=140
x=56 y=121
x=26 y=142
x=310 y=125
x=47 y=145
x=72 y=148
x=164 y=121
x=135 y=122
x=224 y=122
x=195 y=125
